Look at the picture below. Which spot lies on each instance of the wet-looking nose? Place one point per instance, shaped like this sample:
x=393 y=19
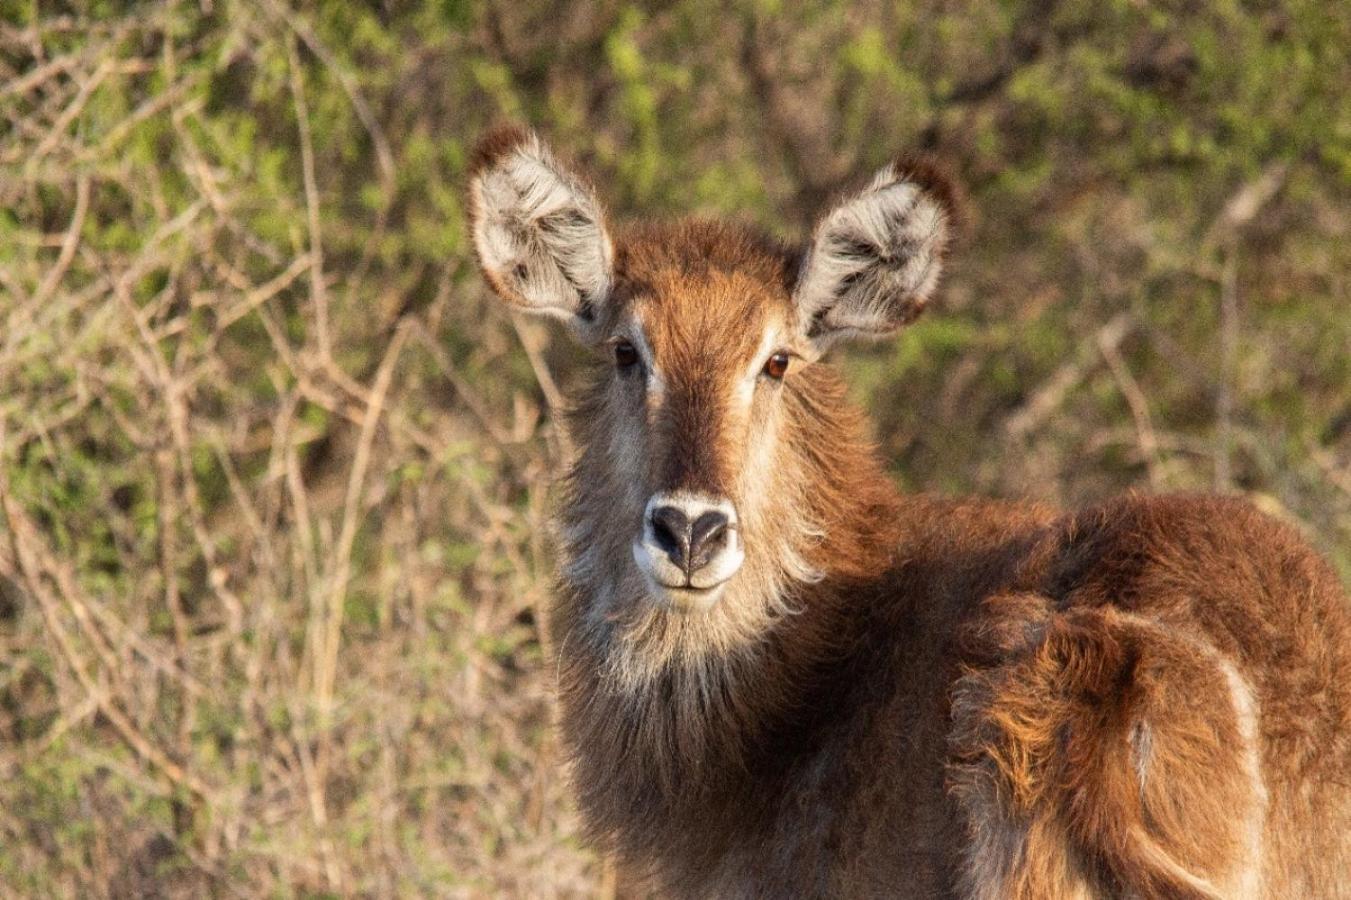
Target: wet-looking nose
x=689 y=544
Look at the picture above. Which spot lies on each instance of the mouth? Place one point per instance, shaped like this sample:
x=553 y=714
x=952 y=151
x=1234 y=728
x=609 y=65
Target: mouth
x=686 y=598
x=678 y=589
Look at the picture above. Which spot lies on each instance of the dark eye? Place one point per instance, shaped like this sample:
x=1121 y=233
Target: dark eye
x=625 y=355
x=777 y=366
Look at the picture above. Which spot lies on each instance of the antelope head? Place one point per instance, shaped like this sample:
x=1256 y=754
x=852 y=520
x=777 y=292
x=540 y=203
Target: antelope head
x=705 y=434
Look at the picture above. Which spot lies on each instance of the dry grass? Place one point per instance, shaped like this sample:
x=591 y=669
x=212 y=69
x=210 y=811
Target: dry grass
x=270 y=611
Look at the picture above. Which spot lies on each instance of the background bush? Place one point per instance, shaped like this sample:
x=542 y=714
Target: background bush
x=274 y=469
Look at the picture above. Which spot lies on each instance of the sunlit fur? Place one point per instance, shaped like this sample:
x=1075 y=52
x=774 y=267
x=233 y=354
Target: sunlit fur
x=903 y=695
x=772 y=444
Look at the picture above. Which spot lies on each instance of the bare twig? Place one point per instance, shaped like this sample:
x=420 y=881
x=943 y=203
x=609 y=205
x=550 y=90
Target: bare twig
x=25 y=83
x=29 y=554
x=383 y=155
x=1249 y=200
x=1224 y=399
x=1052 y=393
x=68 y=115
x=264 y=292
x=1338 y=475
x=336 y=582
x=69 y=243
x=326 y=659
x=462 y=387
x=318 y=290
x=1139 y=407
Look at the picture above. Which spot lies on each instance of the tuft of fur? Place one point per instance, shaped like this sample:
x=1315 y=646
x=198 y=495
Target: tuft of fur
x=1106 y=732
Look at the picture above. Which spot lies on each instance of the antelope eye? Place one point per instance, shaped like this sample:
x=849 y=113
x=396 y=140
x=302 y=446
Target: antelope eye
x=625 y=355
x=777 y=366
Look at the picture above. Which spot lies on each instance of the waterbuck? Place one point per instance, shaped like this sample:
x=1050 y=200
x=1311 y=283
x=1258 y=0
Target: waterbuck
x=780 y=677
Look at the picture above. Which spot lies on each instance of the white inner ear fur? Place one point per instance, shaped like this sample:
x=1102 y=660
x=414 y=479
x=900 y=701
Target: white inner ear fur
x=874 y=261
x=541 y=234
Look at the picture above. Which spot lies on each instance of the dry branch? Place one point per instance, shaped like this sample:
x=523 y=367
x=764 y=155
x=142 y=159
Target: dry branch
x=1048 y=398
x=36 y=563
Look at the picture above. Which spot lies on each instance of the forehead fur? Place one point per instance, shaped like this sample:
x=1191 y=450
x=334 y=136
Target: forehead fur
x=705 y=281
x=696 y=247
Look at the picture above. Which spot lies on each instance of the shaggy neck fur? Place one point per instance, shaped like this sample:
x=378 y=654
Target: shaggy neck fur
x=664 y=711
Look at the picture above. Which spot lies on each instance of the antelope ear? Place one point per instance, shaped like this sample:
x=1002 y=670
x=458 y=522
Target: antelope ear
x=538 y=229
x=874 y=260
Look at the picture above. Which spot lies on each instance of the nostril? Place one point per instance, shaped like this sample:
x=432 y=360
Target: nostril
x=707 y=537
x=671 y=531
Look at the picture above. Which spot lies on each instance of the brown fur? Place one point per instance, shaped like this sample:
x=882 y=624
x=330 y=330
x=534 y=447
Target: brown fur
x=914 y=696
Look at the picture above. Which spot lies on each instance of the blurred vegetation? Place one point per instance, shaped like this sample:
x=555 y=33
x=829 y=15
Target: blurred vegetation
x=274 y=470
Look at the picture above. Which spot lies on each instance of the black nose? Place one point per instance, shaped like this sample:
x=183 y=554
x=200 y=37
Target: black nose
x=690 y=545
